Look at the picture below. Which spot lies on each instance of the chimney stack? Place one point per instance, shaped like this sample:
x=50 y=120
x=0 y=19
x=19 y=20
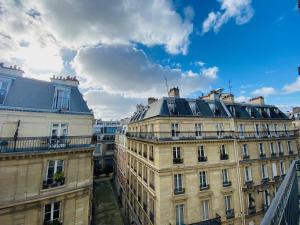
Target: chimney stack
x=257 y=100
x=228 y=98
x=11 y=70
x=72 y=81
x=151 y=100
x=174 y=92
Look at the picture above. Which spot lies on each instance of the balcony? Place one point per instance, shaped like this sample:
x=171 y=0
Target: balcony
x=227 y=183
x=265 y=207
x=204 y=187
x=43 y=144
x=224 y=156
x=273 y=154
x=291 y=152
x=177 y=161
x=249 y=183
x=202 y=159
x=214 y=221
x=59 y=180
x=262 y=155
x=208 y=135
x=53 y=222
x=277 y=178
x=178 y=191
x=251 y=210
x=229 y=214
x=245 y=157
x=265 y=181
x=281 y=153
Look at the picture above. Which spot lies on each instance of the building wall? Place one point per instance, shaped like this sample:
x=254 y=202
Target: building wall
x=163 y=168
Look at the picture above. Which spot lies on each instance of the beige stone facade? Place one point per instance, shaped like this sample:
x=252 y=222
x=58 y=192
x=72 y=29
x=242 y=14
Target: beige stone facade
x=225 y=172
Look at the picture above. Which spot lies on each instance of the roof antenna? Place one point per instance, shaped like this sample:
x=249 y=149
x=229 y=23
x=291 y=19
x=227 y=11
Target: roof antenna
x=229 y=86
x=167 y=86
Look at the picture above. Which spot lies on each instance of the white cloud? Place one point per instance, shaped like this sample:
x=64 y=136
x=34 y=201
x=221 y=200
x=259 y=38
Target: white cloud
x=77 y=22
x=293 y=87
x=111 y=106
x=239 y=10
x=242 y=98
x=264 y=91
x=124 y=69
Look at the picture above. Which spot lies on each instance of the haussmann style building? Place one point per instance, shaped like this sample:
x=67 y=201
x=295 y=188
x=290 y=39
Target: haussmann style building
x=204 y=161
x=46 y=170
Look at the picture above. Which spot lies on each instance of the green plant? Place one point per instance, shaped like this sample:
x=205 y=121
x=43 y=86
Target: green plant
x=59 y=177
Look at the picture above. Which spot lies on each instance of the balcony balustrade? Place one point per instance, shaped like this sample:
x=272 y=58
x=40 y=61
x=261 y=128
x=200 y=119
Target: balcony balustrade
x=178 y=191
x=251 y=210
x=192 y=135
x=177 y=161
x=262 y=155
x=40 y=144
x=265 y=207
x=202 y=159
x=229 y=213
x=224 y=156
x=245 y=157
x=213 y=221
x=227 y=183
x=265 y=181
x=204 y=187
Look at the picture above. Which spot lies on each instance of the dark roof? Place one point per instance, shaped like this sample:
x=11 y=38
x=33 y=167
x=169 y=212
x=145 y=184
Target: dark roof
x=26 y=94
x=182 y=107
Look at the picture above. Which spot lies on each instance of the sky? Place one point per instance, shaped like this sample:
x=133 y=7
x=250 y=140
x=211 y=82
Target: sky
x=123 y=51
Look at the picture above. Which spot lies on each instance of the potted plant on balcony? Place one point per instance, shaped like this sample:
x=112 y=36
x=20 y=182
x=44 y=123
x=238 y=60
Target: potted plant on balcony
x=59 y=178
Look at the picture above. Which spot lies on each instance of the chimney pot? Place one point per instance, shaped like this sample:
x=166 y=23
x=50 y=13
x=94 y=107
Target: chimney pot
x=257 y=100
x=174 y=92
x=151 y=100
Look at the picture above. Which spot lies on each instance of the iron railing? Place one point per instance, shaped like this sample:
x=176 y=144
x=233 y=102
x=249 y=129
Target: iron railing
x=213 y=221
x=29 y=144
x=284 y=208
x=204 y=135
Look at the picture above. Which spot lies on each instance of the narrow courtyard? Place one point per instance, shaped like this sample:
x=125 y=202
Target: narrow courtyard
x=105 y=206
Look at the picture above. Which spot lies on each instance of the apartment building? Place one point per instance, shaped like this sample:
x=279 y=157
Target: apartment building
x=206 y=161
x=46 y=166
x=104 y=154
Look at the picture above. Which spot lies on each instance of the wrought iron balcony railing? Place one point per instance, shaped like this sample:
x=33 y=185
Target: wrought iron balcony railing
x=227 y=183
x=229 y=213
x=213 y=221
x=202 y=159
x=178 y=191
x=39 y=144
x=192 y=135
x=284 y=208
x=177 y=161
x=251 y=210
x=204 y=187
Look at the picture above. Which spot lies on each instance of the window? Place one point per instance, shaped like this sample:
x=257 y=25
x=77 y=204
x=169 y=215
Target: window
x=201 y=154
x=274 y=169
x=248 y=174
x=178 y=186
x=203 y=179
x=225 y=174
x=282 y=168
x=205 y=209
x=52 y=212
x=266 y=198
x=257 y=129
x=223 y=154
x=279 y=147
x=151 y=153
x=220 y=129
x=245 y=151
x=228 y=203
x=4 y=86
x=175 y=129
x=59 y=133
x=276 y=129
x=267 y=126
x=261 y=149
x=179 y=214
x=54 y=173
x=289 y=146
x=273 y=152
x=285 y=129
x=62 y=99
x=198 y=129
x=242 y=130
x=177 y=155
x=251 y=201
x=264 y=171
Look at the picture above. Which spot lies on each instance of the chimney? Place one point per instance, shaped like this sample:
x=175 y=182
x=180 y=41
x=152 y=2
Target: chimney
x=174 y=92
x=257 y=100
x=72 y=81
x=11 y=70
x=151 y=100
x=139 y=107
x=228 y=98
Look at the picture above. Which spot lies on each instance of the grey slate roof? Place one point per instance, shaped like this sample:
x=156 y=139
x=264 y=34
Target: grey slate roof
x=26 y=94
x=206 y=109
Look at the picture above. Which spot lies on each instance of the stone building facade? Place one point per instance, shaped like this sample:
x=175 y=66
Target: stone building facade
x=206 y=161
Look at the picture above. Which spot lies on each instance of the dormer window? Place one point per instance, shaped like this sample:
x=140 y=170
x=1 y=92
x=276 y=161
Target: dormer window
x=4 y=86
x=171 y=106
x=193 y=107
x=62 y=99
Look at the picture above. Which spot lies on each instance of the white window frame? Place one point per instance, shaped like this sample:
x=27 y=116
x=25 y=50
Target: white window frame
x=245 y=150
x=203 y=176
x=205 y=209
x=201 y=150
x=178 y=181
x=52 y=211
x=177 y=151
x=175 y=130
x=55 y=167
x=274 y=169
x=261 y=148
x=228 y=202
x=248 y=174
x=198 y=130
x=67 y=92
x=266 y=195
x=179 y=214
x=264 y=171
x=282 y=168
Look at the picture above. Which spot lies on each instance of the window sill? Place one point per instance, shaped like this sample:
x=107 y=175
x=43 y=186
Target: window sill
x=53 y=188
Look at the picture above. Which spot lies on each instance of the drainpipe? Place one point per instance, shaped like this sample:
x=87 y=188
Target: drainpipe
x=241 y=197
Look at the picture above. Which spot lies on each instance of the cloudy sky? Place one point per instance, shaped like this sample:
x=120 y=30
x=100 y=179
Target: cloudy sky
x=122 y=51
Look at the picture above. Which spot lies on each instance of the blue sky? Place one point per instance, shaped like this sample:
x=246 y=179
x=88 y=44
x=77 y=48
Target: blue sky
x=121 y=50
